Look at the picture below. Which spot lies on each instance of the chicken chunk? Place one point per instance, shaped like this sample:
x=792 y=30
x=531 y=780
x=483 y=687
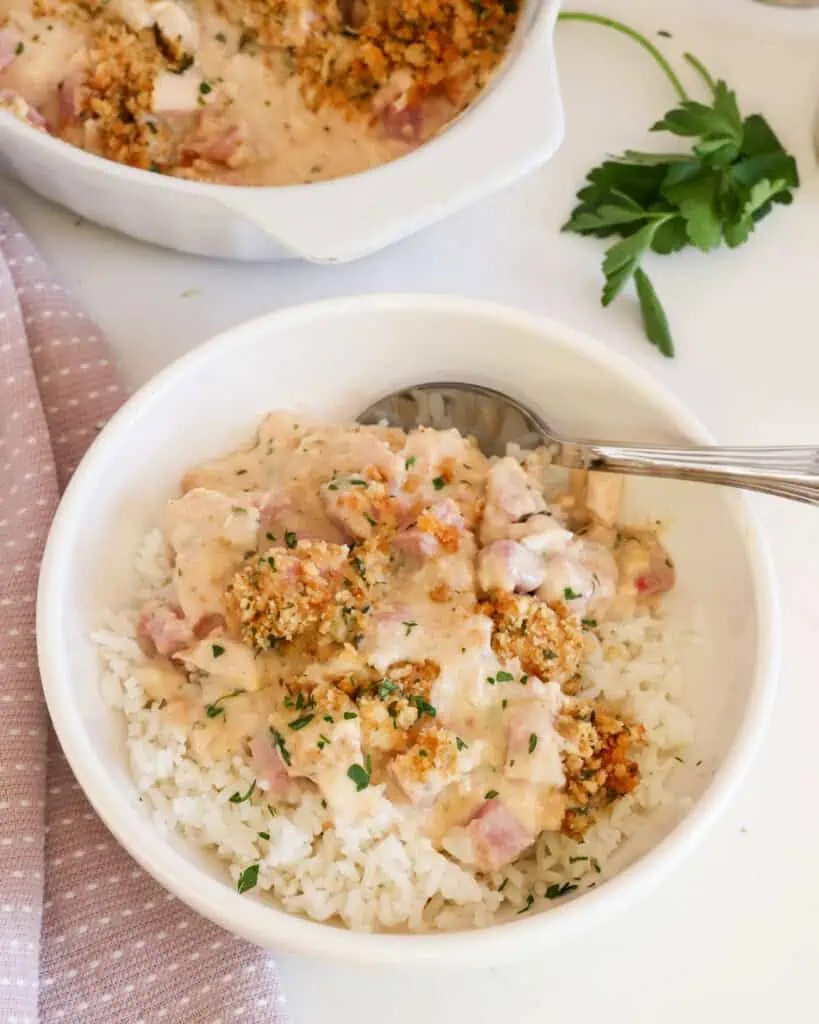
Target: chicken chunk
x=224 y=659
x=508 y=565
x=208 y=534
x=583 y=577
x=434 y=761
x=533 y=750
x=510 y=497
x=548 y=643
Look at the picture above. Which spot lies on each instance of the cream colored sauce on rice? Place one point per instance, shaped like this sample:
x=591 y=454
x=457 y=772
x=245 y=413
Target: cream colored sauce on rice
x=326 y=679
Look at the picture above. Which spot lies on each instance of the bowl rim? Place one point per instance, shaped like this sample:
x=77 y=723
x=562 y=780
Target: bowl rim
x=269 y=926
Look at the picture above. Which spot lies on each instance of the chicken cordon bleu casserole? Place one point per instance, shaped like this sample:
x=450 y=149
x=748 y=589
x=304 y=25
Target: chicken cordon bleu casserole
x=394 y=684
x=248 y=92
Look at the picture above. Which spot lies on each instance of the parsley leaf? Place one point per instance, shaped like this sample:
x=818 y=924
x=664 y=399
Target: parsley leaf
x=239 y=798
x=358 y=775
x=248 y=878
x=733 y=173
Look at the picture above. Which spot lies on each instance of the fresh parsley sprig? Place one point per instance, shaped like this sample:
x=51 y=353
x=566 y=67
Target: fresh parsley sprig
x=732 y=176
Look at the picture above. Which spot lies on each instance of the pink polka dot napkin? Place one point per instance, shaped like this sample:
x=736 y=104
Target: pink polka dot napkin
x=86 y=936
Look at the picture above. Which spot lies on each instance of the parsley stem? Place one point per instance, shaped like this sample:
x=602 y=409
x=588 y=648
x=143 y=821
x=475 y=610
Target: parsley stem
x=618 y=26
x=701 y=70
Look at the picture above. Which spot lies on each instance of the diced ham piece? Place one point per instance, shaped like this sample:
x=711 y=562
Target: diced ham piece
x=507 y=565
x=163 y=629
x=403 y=124
x=542 y=533
x=9 y=44
x=215 y=141
x=225 y=659
x=268 y=765
x=498 y=836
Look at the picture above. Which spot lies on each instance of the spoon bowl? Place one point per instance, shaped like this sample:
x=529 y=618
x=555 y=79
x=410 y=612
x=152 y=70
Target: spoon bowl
x=496 y=421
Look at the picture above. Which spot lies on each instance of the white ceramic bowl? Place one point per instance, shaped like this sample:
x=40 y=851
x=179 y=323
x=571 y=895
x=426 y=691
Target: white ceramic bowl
x=515 y=126
x=332 y=359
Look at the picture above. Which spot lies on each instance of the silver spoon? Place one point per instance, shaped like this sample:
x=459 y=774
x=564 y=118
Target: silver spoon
x=495 y=420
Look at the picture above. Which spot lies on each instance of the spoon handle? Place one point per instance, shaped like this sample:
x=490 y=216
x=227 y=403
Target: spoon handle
x=788 y=472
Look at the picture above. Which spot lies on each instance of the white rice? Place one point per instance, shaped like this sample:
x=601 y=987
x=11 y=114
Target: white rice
x=383 y=875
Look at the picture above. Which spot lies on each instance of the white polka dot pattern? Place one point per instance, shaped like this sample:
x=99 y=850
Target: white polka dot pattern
x=85 y=935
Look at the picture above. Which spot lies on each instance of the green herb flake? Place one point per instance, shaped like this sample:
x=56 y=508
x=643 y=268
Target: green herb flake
x=504 y=677
x=300 y=723
x=409 y=626
x=548 y=654
x=558 y=889
x=239 y=798
x=530 y=899
x=270 y=537
x=576 y=860
x=410 y=462
x=524 y=679
x=264 y=835
x=503 y=885
x=278 y=740
x=220 y=37
x=504 y=703
x=386 y=687
x=422 y=706
x=217 y=650
x=532 y=742
x=19 y=48
x=205 y=88
x=248 y=878
x=349 y=716
x=439 y=483
x=359 y=776
x=570 y=595
x=290 y=539
x=589 y=623
x=596 y=865
x=490 y=794
x=460 y=744
x=214 y=709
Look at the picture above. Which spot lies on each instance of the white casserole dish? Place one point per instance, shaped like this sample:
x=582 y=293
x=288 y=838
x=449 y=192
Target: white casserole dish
x=513 y=128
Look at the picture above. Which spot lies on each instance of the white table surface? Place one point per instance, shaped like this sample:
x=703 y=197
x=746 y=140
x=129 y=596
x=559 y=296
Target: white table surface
x=735 y=933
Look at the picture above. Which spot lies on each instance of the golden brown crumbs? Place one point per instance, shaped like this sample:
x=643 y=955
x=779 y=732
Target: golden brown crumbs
x=598 y=762
x=448 y=536
x=548 y=643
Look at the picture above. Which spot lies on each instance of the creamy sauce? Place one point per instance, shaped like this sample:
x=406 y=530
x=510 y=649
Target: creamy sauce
x=328 y=619
x=185 y=89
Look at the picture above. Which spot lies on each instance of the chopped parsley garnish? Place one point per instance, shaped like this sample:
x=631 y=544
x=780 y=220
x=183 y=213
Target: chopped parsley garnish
x=680 y=759
x=570 y=595
x=549 y=655
x=490 y=794
x=504 y=703
x=332 y=487
x=423 y=753
x=184 y=64
x=329 y=718
x=504 y=677
x=264 y=835
x=290 y=539
x=558 y=889
x=212 y=710
x=278 y=740
x=595 y=864
x=359 y=566
x=299 y=723
x=205 y=88
x=438 y=483
x=239 y=798
x=270 y=536
x=358 y=483
x=248 y=878
x=386 y=687
x=503 y=885
x=218 y=650
x=241 y=472
x=524 y=679
x=359 y=776
x=589 y=623
x=575 y=860
x=19 y=48
x=271 y=561
x=421 y=706
x=410 y=462
x=530 y=899
x=409 y=626
x=371 y=521
x=273 y=810
x=323 y=741
x=220 y=37
x=349 y=715
x=490 y=680
x=532 y=743
x=460 y=744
